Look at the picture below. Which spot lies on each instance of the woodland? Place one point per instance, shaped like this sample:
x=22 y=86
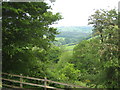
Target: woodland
x=86 y=56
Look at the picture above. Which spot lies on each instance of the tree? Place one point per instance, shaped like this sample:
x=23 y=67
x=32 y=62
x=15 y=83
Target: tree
x=26 y=35
x=97 y=58
x=86 y=59
x=53 y=54
x=105 y=23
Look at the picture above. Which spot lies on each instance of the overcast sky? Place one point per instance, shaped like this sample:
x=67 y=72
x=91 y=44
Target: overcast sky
x=76 y=12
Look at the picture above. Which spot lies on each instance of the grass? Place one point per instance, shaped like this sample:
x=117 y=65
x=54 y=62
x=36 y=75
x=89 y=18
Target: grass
x=68 y=47
x=58 y=38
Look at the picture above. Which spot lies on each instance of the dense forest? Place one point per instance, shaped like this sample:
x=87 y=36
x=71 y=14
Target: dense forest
x=86 y=56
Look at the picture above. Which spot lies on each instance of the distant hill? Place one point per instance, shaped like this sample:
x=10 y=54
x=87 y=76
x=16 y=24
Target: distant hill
x=74 y=31
x=86 y=29
x=72 y=34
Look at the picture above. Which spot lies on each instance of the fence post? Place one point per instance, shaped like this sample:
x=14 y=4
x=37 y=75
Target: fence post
x=21 y=80
x=45 y=83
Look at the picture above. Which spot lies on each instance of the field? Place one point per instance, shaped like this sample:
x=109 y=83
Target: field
x=68 y=47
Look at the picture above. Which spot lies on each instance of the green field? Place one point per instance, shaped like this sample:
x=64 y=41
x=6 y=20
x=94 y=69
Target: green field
x=68 y=47
x=58 y=38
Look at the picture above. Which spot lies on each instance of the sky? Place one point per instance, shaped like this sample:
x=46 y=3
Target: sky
x=77 y=12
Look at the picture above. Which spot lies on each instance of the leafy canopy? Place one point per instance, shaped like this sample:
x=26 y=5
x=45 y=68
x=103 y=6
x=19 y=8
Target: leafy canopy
x=26 y=25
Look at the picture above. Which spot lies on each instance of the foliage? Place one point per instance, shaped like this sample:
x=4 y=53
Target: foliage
x=26 y=35
x=86 y=59
x=28 y=46
x=53 y=54
x=106 y=24
x=98 y=58
x=63 y=71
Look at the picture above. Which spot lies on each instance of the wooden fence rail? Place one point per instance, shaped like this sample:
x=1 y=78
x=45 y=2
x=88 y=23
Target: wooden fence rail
x=45 y=80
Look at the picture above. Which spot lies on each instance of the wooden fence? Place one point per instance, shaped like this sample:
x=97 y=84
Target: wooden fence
x=45 y=80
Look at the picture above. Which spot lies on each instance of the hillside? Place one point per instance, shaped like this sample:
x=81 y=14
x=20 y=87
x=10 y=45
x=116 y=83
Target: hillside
x=72 y=34
x=86 y=29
